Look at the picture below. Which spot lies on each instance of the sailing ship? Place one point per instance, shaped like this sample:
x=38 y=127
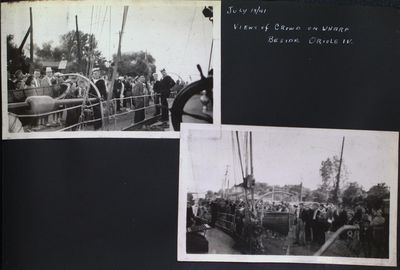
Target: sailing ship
x=243 y=221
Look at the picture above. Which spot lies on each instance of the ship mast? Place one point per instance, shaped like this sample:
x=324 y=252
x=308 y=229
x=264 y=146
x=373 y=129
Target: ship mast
x=248 y=173
x=115 y=67
x=225 y=184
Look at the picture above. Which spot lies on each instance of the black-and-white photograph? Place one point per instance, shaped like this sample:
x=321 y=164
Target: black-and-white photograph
x=301 y=195
x=96 y=66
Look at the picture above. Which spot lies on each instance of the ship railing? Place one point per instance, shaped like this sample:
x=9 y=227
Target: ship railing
x=226 y=221
x=113 y=114
x=129 y=104
x=352 y=231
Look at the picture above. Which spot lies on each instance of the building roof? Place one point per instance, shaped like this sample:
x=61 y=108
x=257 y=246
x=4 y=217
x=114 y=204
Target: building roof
x=50 y=63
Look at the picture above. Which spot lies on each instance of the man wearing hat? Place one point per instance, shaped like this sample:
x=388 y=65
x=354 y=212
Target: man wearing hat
x=48 y=78
x=36 y=78
x=166 y=84
x=101 y=86
x=47 y=81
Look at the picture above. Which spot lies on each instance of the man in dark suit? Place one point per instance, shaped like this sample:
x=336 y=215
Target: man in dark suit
x=11 y=83
x=101 y=86
x=195 y=240
x=157 y=92
x=339 y=218
x=306 y=215
x=319 y=225
x=127 y=103
x=165 y=89
x=299 y=224
x=118 y=90
x=190 y=218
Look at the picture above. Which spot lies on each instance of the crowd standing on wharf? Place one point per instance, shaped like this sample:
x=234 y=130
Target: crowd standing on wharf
x=129 y=94
x=311 y=223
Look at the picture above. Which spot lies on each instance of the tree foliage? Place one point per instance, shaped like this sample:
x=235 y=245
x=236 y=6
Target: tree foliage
x=68 y=50
x=48 y=53
x=261 y=188
x=15 y=58
x=136 y=63
x=307 y=194
x=209 y=195
x=376 y=194
x=329 y=171
x=320 y=195
x=353 y=194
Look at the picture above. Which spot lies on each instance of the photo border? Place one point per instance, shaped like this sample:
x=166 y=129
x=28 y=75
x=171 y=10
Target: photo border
x=182 y=198
x=216 y=63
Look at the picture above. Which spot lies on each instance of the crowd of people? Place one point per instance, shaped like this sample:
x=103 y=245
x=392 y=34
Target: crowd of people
x=311 y=223
x=314 y=221
x=128 y=94
x=20 y=80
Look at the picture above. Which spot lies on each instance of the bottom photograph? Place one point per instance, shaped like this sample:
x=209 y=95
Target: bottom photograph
x=269 y=194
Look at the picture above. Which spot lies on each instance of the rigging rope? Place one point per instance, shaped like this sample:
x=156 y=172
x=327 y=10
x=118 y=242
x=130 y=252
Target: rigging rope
x=251 y=153
x=90 y=44
x=109 y=38
x=188 y=37
x=246 y=153
x=104 y=19
x=240 y=155
x=91 y=21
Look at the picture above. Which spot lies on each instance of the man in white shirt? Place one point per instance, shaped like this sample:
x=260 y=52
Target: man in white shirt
x=36 y=78
x=46 y=81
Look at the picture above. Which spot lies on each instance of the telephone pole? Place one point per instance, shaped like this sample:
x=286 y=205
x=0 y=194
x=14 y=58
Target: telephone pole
x=115 y=67
x=336 y=196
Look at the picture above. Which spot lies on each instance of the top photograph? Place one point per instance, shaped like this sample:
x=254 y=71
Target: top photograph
x=92 y=69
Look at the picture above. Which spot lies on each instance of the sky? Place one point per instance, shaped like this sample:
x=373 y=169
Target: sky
x=178 y=37
x=290 y=156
